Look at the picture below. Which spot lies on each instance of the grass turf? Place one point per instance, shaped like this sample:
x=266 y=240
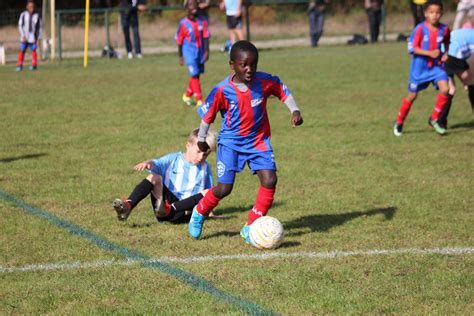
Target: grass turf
x=71 y=136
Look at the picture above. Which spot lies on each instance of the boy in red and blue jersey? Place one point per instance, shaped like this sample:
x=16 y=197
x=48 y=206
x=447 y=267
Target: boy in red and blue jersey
x=241 y=98
x=429 y=45
x=192 y=38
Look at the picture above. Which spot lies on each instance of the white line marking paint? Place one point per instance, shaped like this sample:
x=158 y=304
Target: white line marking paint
x=258 y=256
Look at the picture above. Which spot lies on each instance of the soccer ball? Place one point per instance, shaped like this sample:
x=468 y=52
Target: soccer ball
x=266 y=233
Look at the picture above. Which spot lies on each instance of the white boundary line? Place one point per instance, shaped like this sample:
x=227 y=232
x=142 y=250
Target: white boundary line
x=258 y=256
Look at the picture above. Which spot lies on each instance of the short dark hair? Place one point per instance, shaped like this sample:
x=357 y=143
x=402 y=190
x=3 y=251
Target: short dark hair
x=242 y=46
x=432 y=2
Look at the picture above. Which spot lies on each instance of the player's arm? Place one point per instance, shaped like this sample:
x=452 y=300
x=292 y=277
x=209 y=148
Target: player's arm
x=281 y=91
x=179 y=37
x=239 y=8
x=296 y=118
x=21 y=22
x=447 y=40
x=180 y=55
x=414 y=45
x=146 y=165
x=205 y=41
x=208 y=111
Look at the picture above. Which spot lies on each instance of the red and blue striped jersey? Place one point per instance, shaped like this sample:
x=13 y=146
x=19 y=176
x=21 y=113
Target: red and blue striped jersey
x=423 y=37
x=190 y=35
x=245 y=125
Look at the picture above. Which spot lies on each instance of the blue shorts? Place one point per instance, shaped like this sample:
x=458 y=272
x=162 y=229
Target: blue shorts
x=416 y=86
x=230 y=161
x=195 y=68
x=24 y=46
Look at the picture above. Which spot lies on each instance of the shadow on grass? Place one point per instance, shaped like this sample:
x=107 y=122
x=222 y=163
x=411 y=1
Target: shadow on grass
x=469 y=125
x=225 y=233
x=324 y=222
x=245 y=209
x=29 y=156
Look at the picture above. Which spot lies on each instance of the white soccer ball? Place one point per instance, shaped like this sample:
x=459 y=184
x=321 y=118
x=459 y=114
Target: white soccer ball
x=266 y=233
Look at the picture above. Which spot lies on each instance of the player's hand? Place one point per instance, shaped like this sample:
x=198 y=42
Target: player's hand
x=23 y=39
x=222 y=6
x=203 y=146
x=296 y=119
x=445 y=57
x=181 y=61
x=206 y=55
x=146 y=165
x=141 y=7
x=435 y=53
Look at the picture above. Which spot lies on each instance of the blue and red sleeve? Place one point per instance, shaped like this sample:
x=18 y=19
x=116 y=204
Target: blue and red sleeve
x=273 y=86
x=215 y=101
x=415 y=40
x=180 y=33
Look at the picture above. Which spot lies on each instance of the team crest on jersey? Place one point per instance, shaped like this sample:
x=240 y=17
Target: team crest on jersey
x=220 y=169
x=426 y=38
x=190 y=30
x=232 y=104
x=256 y=102
x=205 y=107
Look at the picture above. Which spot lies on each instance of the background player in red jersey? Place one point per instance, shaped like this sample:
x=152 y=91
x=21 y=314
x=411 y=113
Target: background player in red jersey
x=429 y=45
x=192 y=38
x=244 y=138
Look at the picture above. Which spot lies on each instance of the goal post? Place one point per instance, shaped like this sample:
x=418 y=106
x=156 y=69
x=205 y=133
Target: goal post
x=86 y=33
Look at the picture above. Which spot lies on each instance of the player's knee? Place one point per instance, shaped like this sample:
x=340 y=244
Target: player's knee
x=444 y=90
x=269 y=181
x=222 y=190
x=154 y=179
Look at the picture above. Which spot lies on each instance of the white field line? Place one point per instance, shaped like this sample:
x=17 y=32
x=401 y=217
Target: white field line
x=258 y=256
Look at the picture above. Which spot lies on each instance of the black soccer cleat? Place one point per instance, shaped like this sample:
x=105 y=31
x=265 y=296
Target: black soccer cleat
x=123 y=209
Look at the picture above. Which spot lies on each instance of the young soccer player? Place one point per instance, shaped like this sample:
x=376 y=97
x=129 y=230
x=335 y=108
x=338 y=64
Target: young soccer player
x=31 y=31
x=241 y=98
x=427 y=42
x=233 y=12
x=177 y=181
x=460 y=52
x=192 y=38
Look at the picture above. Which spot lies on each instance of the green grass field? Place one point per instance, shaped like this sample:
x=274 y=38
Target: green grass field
x=70 y=137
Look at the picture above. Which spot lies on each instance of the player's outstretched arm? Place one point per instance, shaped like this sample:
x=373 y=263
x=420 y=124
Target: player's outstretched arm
x=146 y=165
x=296 y=119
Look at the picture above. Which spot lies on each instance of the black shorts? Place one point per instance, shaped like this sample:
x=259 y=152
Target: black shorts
x=455 y=66
x=234 y=22
x=173 y=217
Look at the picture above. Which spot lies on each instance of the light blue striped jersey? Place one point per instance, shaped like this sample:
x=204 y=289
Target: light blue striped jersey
x=462 y=43
x=181 y=177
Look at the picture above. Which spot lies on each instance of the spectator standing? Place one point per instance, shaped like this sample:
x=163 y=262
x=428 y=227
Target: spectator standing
x=233 y=11
x=416 y=7
x=317 y=15
x=374 y=13
x=129 y=18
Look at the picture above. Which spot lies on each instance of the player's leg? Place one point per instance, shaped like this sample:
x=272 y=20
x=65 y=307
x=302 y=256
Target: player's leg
x=441 y=102
x=407 y=102
x=443 y=117
x=21 y=56
x=471 y=96
x=319 y=26
x=227 y=166
x=136 y=35
x=194 y=86
x=264 y=166
x=34 y=57
x=124 y=19
x=146 y=186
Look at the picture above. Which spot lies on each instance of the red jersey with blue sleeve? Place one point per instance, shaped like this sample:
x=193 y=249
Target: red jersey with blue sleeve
x=423 y=68
x=190 y=35
x=245 y=125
